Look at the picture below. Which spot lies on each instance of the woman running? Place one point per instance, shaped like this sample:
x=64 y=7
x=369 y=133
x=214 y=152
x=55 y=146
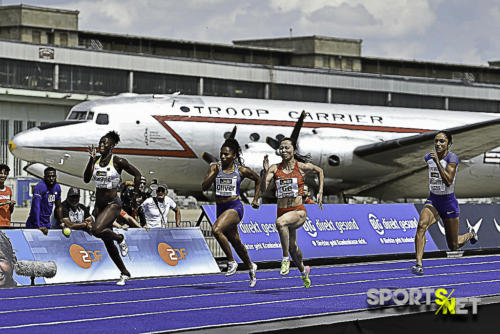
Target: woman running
x=441 y=203
x=106 y=171
x=289 y=180
x=226 y=176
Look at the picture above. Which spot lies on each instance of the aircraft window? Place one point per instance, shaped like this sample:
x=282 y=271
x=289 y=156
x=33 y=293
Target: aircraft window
x=102 y=119
x=184 y=109
x=78 y=115
x=254 y=137
x=90 y=116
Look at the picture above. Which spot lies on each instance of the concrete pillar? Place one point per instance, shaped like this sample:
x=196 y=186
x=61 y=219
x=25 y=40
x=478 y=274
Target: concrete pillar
x=56 y=77
x=131 y=82
x=200 y=86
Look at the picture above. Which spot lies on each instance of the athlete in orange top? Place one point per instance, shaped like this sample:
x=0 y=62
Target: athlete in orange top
x=289 y=180
x=6 y=202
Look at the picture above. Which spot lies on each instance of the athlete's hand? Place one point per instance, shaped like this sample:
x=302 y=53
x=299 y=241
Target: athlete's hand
x=92 y=151
x=255 y=204
x=147 y=228
x=218 y=167
x=12 y=203
x=44 y=230
x=265 y=163
x=320 y=199
x=434 y=156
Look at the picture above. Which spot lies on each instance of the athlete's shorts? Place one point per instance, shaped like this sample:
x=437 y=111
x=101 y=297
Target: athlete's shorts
x=235 y=205
x=446 y=205
x=282 y=211
x=102 y=204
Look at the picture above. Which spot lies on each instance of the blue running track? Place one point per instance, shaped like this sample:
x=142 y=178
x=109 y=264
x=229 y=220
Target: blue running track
x=184 y=302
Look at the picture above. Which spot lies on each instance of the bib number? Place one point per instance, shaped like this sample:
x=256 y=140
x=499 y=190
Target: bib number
x=287 y=187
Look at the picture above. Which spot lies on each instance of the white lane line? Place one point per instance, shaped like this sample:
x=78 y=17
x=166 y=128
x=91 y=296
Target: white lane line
x=222 y=294
x=227 y=306
x=238 y=281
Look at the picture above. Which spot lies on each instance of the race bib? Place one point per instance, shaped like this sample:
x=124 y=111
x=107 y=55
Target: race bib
x=287 y=187
x=225 y=187
x=102 y=180
x=436 y=184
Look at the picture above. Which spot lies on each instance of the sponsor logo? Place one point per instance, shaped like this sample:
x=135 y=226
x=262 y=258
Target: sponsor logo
x=476 y=226
x=82 y=257
x=169 y=255
x=375 y=222
x=423 y=296
x=441 y=228
x=496 y=224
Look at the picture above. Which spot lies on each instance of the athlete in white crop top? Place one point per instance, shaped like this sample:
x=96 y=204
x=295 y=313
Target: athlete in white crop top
x=441 y=203
x=106 y=171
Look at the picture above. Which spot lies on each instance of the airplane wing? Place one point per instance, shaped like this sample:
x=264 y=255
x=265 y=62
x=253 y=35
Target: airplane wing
x=407 y=156
x=468 y=141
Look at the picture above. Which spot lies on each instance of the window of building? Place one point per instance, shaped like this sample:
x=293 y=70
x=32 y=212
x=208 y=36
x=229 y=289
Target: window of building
x=233 y=88
x=348 y=96
x=156 y=83
x=417 y=101
x=36 y=36
x=26 y=74
x=50 y=38
x=92 y=80
x=298 y=93
x=473 y=105
x=18 y=127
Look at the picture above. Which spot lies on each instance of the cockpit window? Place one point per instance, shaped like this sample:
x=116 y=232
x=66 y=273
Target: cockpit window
x=102 y=119
x=78 y=115
x=90 y=116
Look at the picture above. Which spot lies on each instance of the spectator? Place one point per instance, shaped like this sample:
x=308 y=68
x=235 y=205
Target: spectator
x=74 y=214
x=6 y=202
x=124 y=221
x=7 y=262
x=156 y=209
x=306 y=197
x=46 y=193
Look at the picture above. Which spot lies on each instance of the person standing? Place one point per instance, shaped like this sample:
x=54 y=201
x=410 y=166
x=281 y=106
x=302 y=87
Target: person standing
x=46 y=194
x=6 y=202
x=156 y=209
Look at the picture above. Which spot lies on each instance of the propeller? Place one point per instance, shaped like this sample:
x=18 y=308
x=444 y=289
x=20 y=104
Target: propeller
x=295 y=132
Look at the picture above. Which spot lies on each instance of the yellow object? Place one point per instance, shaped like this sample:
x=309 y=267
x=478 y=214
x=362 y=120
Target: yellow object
x=66 y=231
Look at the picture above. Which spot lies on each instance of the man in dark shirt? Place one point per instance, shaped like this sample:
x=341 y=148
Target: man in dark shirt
x=74 y=214
x=46 y=193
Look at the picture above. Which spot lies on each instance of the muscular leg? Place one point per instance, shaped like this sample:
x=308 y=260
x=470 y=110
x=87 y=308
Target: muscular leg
x=453 y=240
x=290 y=220
x=295 y=251
x=101 y=229
x=428 y=216
x=102 y=226
x=234 y=238
x=222 y=224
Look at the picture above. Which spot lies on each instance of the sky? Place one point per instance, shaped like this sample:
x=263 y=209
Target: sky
x=448 y=31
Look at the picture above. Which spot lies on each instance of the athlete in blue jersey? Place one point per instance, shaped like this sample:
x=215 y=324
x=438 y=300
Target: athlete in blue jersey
x=226 y=176
x=441 y=203
x=106 y=171
x=46 y=193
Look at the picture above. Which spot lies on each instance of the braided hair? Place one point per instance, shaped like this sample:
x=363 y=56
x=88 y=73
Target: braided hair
x=234 y=146
x=114 y=136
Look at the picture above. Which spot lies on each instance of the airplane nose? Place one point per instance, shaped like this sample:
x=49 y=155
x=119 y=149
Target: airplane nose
x=12 y=146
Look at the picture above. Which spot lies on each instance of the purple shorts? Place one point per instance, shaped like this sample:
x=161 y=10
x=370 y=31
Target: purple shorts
x=235 y=205
x=446 y=205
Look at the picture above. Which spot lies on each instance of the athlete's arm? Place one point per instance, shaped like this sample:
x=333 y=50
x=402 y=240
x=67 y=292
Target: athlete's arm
x=310 y=168
x=177 y=216
x=89 y=170
x=268 y=174
x=248 y=173
x=123 y=164
x=210 y=177
x=448 y=174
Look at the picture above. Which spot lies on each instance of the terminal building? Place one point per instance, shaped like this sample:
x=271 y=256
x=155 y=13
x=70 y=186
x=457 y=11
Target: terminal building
x=47 y=65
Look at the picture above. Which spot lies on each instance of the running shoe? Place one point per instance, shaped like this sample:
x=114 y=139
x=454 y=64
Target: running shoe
x=285 y=267
x=417 y=269
x=305 y=277
x=232 y=266
x=475 y=237
x=123 y=279
x=123 y=247
x=253 y=275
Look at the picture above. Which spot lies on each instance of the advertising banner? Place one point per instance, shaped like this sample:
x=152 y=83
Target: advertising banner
x=483 y=218
x=339 y=230
x=13 y=246
x=160 y=252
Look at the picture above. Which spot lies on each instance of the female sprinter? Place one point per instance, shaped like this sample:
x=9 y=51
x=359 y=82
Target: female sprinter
x=441 y=203
x=289 y=180
x=106 y=171
x=226 y=176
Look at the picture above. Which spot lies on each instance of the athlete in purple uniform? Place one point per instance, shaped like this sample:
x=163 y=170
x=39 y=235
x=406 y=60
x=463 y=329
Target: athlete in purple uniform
x=106 y=171
x=46 y=193
x=226 y=176
x=441 y=203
